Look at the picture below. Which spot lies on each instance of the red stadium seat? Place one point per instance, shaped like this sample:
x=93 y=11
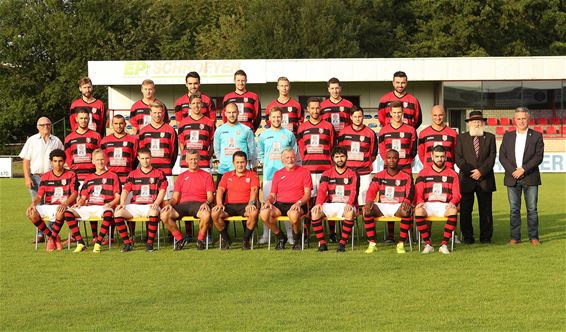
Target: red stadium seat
x=539 y=129
x=531 y=121
x=555 y=121
x=504 y=121
x=492 y=122
x=543 y=121
x=563 y=130
x=512 y=128
x=551 y=130
x=499 y=130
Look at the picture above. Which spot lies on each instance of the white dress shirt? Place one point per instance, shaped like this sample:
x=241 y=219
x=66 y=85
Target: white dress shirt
x=520 y=143
x=37 y=151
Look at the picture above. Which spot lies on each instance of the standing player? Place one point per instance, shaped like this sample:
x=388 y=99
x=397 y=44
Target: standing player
x=437 y=194
x=120 y=149
x=231 y=137
x=193 y=196
x=400 y=137
x=292 y=115
x=411 y=107
x=290 y=190
x=140 y=113
x=241 y=188
x=94 y=107
x=183 y=105
x=247 y=103
x=437 y=134
x=99 y=195
x=58 y=190
x=393 y=193
x=147 y=185
x=161 y=139
x=336 y=109
x=270 y=144
x=336 y=198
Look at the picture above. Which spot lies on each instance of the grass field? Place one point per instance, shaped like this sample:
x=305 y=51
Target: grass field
x=477 y=287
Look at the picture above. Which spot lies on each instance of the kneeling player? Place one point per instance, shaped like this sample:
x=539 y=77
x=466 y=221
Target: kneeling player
x=100 y=193
x=192 y=196
x=437 y=194
x=58 y=189
x=241 y=188
x=147 y=185
x=394 y=192
x=336 y=197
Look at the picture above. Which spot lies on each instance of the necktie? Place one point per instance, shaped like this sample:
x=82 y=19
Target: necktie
x=477 y=146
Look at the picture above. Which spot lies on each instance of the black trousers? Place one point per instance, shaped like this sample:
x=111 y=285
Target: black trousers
x=486 y=216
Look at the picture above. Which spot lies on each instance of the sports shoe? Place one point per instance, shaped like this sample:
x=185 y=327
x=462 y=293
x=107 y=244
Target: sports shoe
x=332 y=238
x=50 y=245
x=225 y=245
x=263 y=240
x=389 y=242
x=127 y=247
x=148 y=247
x=297 y=246
x=73 y=240
x=58 y=244
x=428 y=249
x=40 y=239
x=188 y=238
x=401 y=248
x=281 y=243
x=132 y=239
x=341 y=248
x=371 y=248
x=105 y=241
x=323 y=247
x=96 y=248
x=457 y=240
x=200 y=245
x=444 y=249
x=246 y=245
x=290 y=240
x=80 y=248
x=179 y=245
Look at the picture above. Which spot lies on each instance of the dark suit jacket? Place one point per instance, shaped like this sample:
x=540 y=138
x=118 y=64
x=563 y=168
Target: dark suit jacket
x=532 y=157
x=467 y=161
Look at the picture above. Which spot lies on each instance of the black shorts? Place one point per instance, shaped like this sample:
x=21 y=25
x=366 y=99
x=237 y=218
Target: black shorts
x=284 y=207
x=187 y=209
x=234 y=210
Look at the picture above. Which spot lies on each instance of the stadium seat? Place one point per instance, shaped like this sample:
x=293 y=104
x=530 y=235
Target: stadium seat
x=194 y=220
x=492 y=122
x=543 y=121
x=504 y=121
x=563 y=130
x=539 y=129
x=437 y=219
x=385 y=220
x=512 y=128
x=499 y=130
x=555 y=121
x=551 y=130
x=532 y=122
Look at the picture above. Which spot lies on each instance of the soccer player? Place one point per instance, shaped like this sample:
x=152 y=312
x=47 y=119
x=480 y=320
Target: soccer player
x=231 y=137
x=140 y=113
x=196 y=132
x=120 y=149
x=161 y=139
x=183 y=106
x=94 y=107
x=393 y=193
x=247 y=103
x=336 y=198
x=411 y=106
x=336 y=109
x=292 y=115
x=58 y=190
x=193 y=196
x=147 y=185
x=290 y=190
x=270 y=144
x=241 y=188
x=437 y=134
x=361 y=143
x=100 y=193
x=437 y=194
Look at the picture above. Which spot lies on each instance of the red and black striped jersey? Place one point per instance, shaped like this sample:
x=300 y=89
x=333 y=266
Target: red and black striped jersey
x=183 y=108
x=120 y=154
x=162 y=142
x=402 y=139
x=411 y=109
x=249 y=108
x=393 y=189
x=57 y=189
x=198 y=135
x=315 y=143
x=429 y=138
x=433 y=186
x=145 y=186
x=140 y=115
x=338 y=114
x=337 y=187
x=362 y=148
x=292 y=115
x=100 y=188
x=78 y=148
x=96 y=113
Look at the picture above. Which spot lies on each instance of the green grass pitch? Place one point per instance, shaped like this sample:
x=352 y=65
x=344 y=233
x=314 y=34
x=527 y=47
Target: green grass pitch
x=477 y=287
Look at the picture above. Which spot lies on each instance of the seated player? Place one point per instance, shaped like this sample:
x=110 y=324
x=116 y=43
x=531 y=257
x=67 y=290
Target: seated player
x=336 y=197
x=192 y=196
x=290 y=192
x=147 y=185
x=241 y=188
x=100 y=193
x=58 y=190
x=437 y=194
x=394 y=192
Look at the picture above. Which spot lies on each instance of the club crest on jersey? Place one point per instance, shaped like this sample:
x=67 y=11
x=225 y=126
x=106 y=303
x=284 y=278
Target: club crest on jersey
x=282 y=136
x=245 y=100
x=444 y=137
x=346 y=181
x=93 y=110
x=64 y=182
x=238 y=132
x=362 y=138
x=161 y=135
x=88 y=139
x=151 y=180
x=247 y=180
x=401 y=135
x=201 y=126
x=320 y=130
x=397 y=183
x=341 y=108
x=103 y=181
x=444 y=178
x=405 y=104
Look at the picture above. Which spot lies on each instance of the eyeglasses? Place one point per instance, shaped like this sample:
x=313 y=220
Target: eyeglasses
x=44 y=125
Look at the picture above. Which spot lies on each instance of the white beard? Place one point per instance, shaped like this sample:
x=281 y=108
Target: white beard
x=476 y=131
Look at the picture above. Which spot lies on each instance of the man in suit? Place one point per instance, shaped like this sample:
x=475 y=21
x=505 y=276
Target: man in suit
x=475 y=157
x=520 y=154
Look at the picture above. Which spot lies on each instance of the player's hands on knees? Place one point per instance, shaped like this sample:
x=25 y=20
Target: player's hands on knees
x=420 y=206
x=349 y=208
x=119 y=207
x=317 y=209
x=295 y=207
x=218 y=208
x=31 y=210
x=367 y=208
x=405 y=208
x=204 y=207
x=250 y=208
x=450 y=206
x=62 y=208
x=266 y=205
